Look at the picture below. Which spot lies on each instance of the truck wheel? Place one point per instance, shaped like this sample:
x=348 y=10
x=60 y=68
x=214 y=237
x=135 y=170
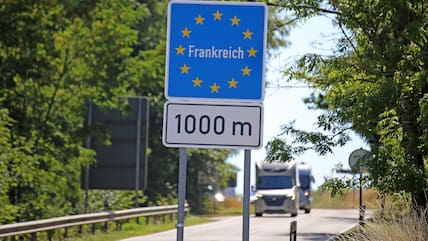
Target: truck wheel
x=307 y=210
x=259 y=214
x=293 y=214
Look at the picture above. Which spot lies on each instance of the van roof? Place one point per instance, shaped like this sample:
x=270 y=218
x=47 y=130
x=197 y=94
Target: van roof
x=304 y=166
x=277 y=165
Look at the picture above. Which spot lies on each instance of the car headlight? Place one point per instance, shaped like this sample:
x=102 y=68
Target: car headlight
x=259 y=196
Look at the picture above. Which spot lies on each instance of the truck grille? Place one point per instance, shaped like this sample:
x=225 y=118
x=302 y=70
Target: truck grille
x=274 y=200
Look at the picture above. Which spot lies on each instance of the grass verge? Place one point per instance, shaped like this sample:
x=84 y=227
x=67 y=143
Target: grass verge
x=409 y=227
x=349 y=199
x=396 y=222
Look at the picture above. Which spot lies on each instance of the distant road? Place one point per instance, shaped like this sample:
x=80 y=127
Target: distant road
x=320 y=224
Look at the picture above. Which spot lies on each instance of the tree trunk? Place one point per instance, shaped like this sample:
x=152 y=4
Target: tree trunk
x=412 y=133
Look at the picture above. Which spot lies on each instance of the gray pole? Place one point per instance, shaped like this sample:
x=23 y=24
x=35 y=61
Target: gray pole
x=137 y=154
x=362 y=207
x=88 y=145
x=247 y=180
x=293 y=230
x=361 y=193
x=246 y=208
x=146 y=138
x=181 y=192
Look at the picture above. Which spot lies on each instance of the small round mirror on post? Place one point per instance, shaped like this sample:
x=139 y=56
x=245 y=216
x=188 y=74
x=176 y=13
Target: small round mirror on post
x=356 y=158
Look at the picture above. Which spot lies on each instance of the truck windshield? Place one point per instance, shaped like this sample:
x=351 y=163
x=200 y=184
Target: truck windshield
x=275 y=182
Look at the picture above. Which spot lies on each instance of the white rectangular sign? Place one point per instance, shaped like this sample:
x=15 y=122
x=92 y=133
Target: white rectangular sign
x=237 y=126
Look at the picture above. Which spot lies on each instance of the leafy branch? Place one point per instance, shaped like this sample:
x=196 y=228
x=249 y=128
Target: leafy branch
x=303 y=10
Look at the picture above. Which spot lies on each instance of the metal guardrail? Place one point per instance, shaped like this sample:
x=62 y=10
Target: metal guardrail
x=82 y=219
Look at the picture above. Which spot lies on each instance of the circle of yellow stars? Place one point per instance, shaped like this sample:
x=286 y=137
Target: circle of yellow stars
x=217 y=16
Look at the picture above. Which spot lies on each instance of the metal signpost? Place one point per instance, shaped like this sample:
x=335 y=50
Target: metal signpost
x=246 y=198
x=214 y=83
x=355 y=162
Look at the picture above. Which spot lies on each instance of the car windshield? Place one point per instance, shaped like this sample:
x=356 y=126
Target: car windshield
x=275 y=182
x=304 y=181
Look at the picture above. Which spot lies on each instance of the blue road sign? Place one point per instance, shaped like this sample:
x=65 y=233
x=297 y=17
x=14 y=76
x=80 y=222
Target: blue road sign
x=216 y=51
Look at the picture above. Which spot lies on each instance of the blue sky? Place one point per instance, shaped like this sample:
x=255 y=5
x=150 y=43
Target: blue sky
x=283 y=105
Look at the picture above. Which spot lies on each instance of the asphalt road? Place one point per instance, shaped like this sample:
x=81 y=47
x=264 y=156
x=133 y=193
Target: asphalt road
x=320 y=224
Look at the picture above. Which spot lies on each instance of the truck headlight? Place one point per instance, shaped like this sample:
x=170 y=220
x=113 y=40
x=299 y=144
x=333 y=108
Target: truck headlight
x=259 y=196
x=306 y=193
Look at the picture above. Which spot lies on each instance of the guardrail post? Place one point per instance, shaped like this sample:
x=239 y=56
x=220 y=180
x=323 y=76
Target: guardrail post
x=293 y=231
x=105 y=226
x=50 y=234
x=118 y=225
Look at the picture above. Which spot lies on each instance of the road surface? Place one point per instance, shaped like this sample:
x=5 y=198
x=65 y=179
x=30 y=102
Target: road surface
x=320 y=224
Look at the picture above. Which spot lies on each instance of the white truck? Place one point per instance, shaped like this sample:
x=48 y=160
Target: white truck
x=277 y=188
x=306 y=180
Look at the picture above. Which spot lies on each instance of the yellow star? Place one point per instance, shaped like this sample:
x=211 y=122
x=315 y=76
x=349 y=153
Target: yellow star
x=186 y=32
x=180 y=49
x=246 y=71
x=197 y=82
x=252 y=52
x=247 y=34
x=217 y=15
x=214 y=88
x=184 y=69
x=232 y=83
x=199 y=19
x=235 y=21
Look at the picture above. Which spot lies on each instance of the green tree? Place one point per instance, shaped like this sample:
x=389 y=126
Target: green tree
x=7 y=181
x=55 y=57
x=375 y=84
x=211 y=164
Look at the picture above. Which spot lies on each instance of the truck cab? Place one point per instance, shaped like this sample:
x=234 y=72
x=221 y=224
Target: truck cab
x=306 y=180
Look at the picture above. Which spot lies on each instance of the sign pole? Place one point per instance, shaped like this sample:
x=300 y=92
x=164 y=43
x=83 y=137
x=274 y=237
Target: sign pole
x=181 y=193
x=362 y=207
x=88 y=145
x=246 y=207
x=137 y=154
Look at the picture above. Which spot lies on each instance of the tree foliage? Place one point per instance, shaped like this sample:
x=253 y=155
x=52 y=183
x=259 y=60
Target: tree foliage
x=55 y=57
x=375 y=84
